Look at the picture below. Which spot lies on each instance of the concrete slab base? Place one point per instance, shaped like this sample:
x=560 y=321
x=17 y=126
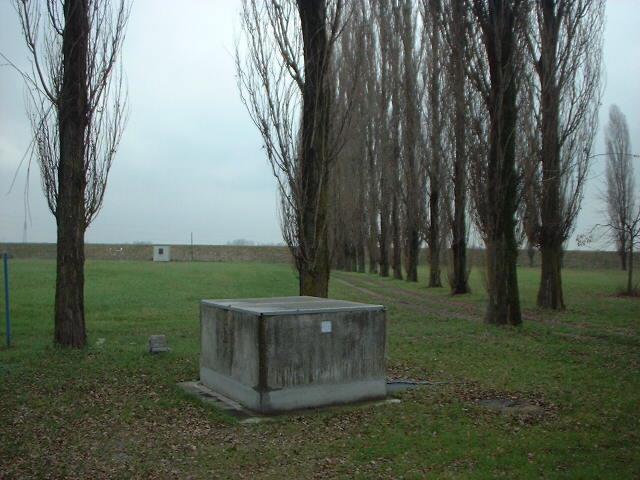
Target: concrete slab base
x=215 y=399
x=246 y=416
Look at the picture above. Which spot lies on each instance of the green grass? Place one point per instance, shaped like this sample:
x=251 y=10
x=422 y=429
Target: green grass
x=113 y=410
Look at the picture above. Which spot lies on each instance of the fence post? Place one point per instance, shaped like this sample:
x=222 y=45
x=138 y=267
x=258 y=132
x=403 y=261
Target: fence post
x=7 y=309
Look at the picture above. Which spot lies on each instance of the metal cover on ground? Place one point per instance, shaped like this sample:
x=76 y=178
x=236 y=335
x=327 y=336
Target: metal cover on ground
x=291 y=305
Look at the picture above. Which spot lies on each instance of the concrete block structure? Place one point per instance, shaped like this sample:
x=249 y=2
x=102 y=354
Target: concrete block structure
x=161 y=253
x=288 y=353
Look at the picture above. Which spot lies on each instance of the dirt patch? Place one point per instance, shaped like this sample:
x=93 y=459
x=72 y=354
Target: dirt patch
x=523 y=407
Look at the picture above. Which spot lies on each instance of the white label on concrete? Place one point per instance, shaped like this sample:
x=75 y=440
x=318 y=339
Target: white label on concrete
x=325 y=327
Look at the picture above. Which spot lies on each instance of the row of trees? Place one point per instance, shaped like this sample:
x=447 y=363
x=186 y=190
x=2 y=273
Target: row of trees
x=387 y=124
x=428 y=115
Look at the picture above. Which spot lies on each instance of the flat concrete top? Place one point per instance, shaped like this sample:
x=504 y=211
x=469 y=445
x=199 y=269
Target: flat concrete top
x=290 y=305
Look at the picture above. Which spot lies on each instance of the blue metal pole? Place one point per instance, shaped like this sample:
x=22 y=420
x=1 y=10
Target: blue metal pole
x=7 y=310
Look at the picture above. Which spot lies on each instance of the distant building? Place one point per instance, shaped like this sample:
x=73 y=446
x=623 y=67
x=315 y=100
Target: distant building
x=161 y=253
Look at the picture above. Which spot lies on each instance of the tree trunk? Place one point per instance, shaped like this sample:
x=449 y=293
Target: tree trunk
x=339 y=257
x=314 y=276
x=70 y=207
x=362 y=227
x=550 y=291
x=460 y=273
x=412 y=253
x=373 y=261
x=434 y=238
x=372 y=179
x=623 y=255
x=316 y=104
x=314 y=283
x=384 y=236
x=397 y=240
x=347 y=258
x=502 y=248
x=412 y=195
x=360 y=255
x=372 y=241
x=503 y=306
x=386 y=196
x=69 y=301
x=352 y=258
x=550 y=238
x=436 y=134
x=459 y=245
x=531 y=253
x=630 y=271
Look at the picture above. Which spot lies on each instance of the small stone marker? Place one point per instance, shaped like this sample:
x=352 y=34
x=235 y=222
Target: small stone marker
x=158 y=344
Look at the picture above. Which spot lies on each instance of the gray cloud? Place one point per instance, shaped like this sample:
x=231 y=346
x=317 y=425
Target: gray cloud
x=190 y=159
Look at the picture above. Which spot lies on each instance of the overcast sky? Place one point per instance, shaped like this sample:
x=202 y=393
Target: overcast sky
x=190 y=159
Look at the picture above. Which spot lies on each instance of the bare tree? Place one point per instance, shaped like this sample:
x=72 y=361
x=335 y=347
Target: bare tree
x=378 y=82
x=456 y=33
x=319 y=33
x=348 y=195
x=413 y=178
x=620 y=180
x=382 y=131
x=565 y=43
x=371 y=84
x=78 y=112
x=433 y=20
x=395 y=133
x=528 y=153
x=493 y=69
x=285 y=81
x=623 y=209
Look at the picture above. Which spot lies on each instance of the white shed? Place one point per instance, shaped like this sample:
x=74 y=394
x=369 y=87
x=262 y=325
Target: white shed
x=161 y=253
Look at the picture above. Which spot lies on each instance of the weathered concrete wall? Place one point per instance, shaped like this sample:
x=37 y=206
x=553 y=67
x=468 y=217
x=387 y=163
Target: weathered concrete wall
x=299 y=354
x=229 y=354
x=275 y=360
x=232 y=253
x=179 y=253
x=572 y=259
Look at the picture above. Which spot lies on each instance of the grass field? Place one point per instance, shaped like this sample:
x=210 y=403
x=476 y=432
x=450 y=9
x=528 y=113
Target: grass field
x=113 y=410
